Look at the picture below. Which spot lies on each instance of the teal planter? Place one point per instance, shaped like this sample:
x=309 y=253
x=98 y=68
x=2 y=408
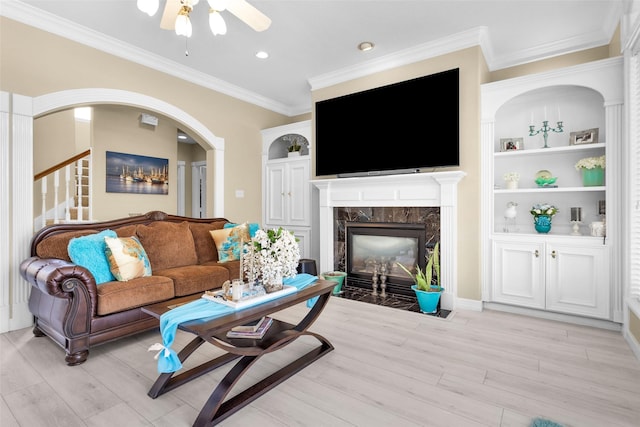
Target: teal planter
x=593 y=177
x=336 y=276
x=427 y=301
x=542 y=223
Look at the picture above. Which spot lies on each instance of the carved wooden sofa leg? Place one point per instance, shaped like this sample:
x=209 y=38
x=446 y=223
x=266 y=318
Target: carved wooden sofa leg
x=37 y=332
x=76 y=358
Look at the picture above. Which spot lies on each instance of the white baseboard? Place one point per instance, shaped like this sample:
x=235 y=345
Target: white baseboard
x=468 y=304
x=578 y=320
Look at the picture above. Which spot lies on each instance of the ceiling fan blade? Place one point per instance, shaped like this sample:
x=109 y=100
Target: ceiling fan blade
x=249 y=14
x=170 y=14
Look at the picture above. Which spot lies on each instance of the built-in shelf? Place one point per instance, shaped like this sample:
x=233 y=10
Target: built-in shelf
x=550 y=150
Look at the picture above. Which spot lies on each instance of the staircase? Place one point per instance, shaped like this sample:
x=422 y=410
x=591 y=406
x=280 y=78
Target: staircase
x=65 y=192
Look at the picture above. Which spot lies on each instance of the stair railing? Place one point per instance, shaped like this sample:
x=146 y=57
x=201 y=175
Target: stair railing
x=53 y=173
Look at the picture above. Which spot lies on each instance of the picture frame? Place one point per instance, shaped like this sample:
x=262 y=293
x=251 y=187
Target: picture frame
x=131 y=173
x=588 y=136
x=511 y=144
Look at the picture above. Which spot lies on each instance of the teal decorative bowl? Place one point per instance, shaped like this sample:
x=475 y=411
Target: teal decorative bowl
x=546 y=181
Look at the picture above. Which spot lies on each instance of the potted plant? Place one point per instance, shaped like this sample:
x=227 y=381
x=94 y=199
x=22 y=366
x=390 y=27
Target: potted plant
x=542 y=215
x=592 y=169
x=336 y=276
x=294 y=146
x=427 y=283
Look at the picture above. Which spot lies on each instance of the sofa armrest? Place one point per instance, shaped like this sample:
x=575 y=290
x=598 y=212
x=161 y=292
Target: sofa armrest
x=61 y=279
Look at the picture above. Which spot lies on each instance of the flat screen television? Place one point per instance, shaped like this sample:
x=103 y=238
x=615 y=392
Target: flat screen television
x=399 y=128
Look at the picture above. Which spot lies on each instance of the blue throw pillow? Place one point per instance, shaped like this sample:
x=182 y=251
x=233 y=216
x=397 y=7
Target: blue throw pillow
x=253 y=227
x=89 y=252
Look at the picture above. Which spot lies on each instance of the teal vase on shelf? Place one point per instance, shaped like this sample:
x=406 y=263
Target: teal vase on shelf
x=593 y=177
x=542 y=223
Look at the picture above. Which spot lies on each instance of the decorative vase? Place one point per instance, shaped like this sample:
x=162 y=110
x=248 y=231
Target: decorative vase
x=512 y=185
x=542 y=223
x=427 y=301
x=273 y=284
x=593 y=177
x=293 y=154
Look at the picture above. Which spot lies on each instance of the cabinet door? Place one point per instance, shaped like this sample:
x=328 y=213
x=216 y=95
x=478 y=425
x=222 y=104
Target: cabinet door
x=518 y=276
x=298 y=193
x=577 y=280
x=276 y=192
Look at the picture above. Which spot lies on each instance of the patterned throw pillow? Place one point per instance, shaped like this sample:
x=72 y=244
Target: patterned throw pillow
x=253 y=227
x=127 y=258
x=89 y=252
x=228 y=241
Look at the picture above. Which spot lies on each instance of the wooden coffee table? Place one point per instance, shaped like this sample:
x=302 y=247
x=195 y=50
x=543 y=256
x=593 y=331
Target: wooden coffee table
x=278 y=336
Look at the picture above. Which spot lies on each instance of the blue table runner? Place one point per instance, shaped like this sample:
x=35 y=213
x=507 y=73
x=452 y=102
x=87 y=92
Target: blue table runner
x=205 y=310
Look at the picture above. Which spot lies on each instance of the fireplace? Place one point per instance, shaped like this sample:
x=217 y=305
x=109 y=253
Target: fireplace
x=431 y=189
x=374 y=249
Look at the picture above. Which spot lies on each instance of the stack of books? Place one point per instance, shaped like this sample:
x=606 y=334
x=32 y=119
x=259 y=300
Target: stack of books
x=254 y=331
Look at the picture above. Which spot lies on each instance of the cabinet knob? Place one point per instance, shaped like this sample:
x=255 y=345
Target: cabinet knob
x=289 y=193
x=282 y=194
x=553 y=254
x=536 y=253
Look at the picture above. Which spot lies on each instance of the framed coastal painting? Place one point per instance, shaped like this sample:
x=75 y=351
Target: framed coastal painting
x=511 y=144
x=132 y=173
x=589 y=136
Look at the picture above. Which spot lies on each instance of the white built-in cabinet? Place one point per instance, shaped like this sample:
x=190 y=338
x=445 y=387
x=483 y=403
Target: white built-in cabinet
x=551 y=274
x=557 y=272
x=288 y=198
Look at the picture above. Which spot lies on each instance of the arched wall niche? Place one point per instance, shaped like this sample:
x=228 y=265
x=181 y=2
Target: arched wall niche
x=58 y=101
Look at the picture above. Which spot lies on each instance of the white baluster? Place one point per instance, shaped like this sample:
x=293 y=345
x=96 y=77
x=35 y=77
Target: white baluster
x=79 y=175
x=56 y=189
x=43 y=192
x=67 y=206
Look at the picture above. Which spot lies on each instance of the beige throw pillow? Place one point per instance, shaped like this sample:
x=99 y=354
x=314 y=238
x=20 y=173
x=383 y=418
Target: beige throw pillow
x=127 y=258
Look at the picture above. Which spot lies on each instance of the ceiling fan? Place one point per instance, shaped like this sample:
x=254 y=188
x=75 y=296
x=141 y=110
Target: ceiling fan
x=176 y=15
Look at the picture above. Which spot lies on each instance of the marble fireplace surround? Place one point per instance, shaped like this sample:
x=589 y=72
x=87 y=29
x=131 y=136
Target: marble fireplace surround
x=434 y=189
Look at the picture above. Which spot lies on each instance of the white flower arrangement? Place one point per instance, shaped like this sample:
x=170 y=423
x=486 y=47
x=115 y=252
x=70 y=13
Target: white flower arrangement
x=591 y=163
x=272 y=254
x=543 y=209
x=511 y=176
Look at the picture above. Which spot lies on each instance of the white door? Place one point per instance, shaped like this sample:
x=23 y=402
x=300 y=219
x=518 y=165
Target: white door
x=276 y=189
x=198 y=190
x=518 y=276
x=298 y=193
x=577 y=280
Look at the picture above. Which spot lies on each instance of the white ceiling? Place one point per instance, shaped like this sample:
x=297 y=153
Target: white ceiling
x=313 y=44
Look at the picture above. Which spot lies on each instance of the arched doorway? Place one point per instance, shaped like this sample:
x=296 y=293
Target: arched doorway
x=17 y=113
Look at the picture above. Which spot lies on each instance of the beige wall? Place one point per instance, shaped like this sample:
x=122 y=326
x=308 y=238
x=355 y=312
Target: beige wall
x=34 y=62
x=118 y=129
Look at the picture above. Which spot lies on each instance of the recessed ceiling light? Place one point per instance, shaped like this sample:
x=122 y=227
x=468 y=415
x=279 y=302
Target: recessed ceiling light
x=262 y=55
x=365 y=46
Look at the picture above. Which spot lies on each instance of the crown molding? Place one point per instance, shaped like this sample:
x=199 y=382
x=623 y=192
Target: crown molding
x=458 y=41
x=43 y=20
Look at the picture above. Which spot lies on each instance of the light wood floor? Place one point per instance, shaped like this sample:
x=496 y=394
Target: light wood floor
x=389 y=368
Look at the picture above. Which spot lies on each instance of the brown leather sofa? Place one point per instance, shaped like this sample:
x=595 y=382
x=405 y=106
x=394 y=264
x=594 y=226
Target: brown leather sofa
x=77 y=314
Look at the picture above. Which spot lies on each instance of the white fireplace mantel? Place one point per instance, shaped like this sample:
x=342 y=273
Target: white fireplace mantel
x=437 y=189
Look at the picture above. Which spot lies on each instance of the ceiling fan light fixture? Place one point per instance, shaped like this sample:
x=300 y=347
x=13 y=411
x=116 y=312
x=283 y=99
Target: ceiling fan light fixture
x=183 y=23
x=150 y=7
x=216 y=23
